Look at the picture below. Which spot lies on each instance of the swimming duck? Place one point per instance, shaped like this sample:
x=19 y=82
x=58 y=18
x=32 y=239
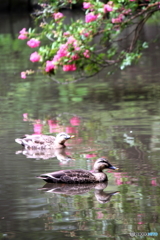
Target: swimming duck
x=80 y=176
x=44 y=141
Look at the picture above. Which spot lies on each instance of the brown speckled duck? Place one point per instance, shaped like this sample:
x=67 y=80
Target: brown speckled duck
x=80 y=176
x=44 y=141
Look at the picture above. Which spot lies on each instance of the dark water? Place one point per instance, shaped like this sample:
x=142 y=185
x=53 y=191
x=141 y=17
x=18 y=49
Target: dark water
x=116 y=116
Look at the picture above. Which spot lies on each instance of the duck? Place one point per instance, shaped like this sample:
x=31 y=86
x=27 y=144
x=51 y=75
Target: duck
x=44 y=141
x=79 y=175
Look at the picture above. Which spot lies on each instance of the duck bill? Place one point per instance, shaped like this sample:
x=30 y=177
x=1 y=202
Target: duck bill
x=69 y=137
x=72 y=136
x=113 y=168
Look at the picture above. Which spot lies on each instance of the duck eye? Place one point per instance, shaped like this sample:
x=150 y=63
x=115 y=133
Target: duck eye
x=63 y=135
x=103 y=161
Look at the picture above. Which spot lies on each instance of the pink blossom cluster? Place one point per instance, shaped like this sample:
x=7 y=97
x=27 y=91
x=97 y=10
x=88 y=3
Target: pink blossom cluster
x=86 y=5
x=35 y=57
x=23 y=34
x=86 y=53
x=49 y=66
x=119 y=19
x=90 y=17
x=23 y=75
x=107 y=8
x=25 y=116
x=85 y=32
x=64 y=51
x=126 y=11
x=58 y=15
x=33 y=43
x=69 y=67
x=66 y=34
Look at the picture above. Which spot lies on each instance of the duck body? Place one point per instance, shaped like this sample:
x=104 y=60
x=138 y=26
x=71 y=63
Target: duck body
x=44 y=141
x=71 y=176
x=79 y=175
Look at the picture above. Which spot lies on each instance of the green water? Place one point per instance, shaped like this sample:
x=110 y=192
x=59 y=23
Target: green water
x=115 y=116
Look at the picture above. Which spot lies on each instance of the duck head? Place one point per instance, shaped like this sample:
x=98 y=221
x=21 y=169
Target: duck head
x=62 y=137
x=101 y=164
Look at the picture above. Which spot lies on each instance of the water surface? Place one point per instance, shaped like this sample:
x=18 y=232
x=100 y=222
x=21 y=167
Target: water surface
x=114 y=116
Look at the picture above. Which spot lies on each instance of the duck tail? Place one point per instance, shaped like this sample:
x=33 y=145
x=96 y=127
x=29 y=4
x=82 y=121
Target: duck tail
x=39 y=177
x=19 y=141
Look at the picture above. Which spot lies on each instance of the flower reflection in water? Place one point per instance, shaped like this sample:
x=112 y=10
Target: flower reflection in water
x=61 y=123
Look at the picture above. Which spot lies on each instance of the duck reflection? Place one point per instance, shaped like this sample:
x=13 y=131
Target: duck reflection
x=78 y=189
x=60 y=154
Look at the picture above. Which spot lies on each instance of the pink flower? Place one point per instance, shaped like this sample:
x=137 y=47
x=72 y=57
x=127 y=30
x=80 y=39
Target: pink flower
x=127 y=11
x=35 y=57
x=66 y=33
x=22 y=37
x=75 y=57
x=71 y=40
x=75 y=121
x=23 y=31
x=69 y=67
x=86 y=53
x=107 y=8
x=49 y=66
x=86 y=5
x=23 y=75
x=62 y=52
x=90 y=17
x=117 y=20
x=25 y=117
x=57 y=15
x=33 y=43
x=77 y=48
x=56 y=59
x=86 y=34
x=23 y=34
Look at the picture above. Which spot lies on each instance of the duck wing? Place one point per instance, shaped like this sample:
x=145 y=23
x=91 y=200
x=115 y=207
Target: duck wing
x=69 y=176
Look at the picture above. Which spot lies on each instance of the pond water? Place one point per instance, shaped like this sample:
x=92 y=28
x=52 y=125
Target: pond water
x=115 y=116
